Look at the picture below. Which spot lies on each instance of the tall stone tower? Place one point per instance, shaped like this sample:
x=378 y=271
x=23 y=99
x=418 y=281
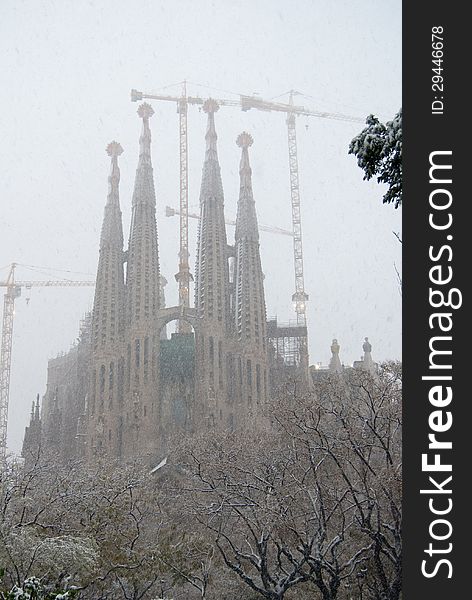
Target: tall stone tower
x=106 y=386
x=145 y=389
x=249 y=307
x=141 y=410
x=211 y=288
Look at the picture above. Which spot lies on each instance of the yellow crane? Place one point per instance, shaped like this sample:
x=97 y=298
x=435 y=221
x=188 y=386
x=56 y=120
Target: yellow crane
x=13 y=291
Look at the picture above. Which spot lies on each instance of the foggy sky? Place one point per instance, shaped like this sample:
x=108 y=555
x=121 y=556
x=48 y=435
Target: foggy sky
x=67 y=69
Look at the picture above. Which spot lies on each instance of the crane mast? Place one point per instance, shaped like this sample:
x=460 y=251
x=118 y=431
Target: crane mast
x=13 y=291
x=184 y=276
x=300 y=297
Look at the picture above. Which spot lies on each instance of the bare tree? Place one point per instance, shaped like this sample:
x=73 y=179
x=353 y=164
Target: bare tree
x=316 y=501
x=308 y=507
x=353 y=422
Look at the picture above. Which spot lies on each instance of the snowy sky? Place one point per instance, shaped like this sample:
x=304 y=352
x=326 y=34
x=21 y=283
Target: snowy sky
x=67 y=69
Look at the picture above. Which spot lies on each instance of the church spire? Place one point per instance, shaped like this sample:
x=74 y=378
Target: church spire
x=143 y=261
x=246 y=223
x=250 y=312
x=145 y=112
x=114 y=150
x=108 y=310
x=212 y=277
x=210 y=107
x=212 y=290
x=249 y=305
x=142 y=304
x=109 y=290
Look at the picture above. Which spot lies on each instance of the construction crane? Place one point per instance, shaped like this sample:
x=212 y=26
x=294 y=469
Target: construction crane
x=172 y=212
x=12 y=292
x=300 y=297
x=246 y=103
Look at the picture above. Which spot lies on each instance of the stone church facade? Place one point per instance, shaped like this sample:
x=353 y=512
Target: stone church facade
x=126 y=388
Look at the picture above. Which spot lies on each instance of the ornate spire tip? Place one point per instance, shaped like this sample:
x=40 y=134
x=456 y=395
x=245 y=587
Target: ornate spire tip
x=145 y=110
x=210 y=106
x=114 y=149
x=244 y=140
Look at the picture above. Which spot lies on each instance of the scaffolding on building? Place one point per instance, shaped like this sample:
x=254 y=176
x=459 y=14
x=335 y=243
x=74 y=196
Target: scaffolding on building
x=288 y=342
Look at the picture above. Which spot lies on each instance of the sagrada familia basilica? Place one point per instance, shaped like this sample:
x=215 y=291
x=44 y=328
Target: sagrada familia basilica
x=126 y=388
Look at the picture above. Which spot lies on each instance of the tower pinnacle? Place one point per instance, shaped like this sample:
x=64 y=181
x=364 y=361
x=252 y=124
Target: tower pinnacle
x=114 y=150
x=145 y=112
x=246 y=224
x=210 y=107
x=244 y=140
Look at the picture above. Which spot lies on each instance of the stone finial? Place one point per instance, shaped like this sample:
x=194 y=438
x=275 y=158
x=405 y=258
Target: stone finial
x=210 y=106
x=335 y=364
x=244 y=140
x=145 y=111
x=367 y=346
x=367 y=362
x=114 y=149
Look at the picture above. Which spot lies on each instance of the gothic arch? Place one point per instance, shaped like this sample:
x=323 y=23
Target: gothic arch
x=175 y=313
